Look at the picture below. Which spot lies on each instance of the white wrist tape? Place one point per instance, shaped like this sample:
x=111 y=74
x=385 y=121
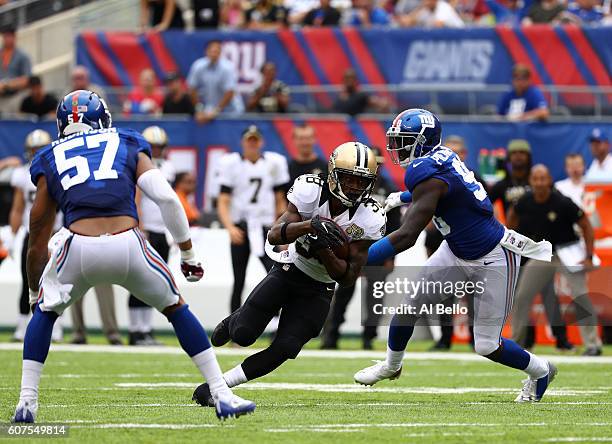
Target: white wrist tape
x=187 y=255
x=156 y=187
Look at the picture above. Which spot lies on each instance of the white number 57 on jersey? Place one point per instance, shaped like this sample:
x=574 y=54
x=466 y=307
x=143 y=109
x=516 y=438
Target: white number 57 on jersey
x=105 y=171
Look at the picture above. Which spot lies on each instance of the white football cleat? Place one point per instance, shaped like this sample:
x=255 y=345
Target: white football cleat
x=26 y=411
x=229 y=406
x=377 y=372
x=534 y=389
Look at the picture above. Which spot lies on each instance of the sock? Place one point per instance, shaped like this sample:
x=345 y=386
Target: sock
x=399 y=335
x=189 y=331
x=146 y=320
x=38 y=335
x=208 y=365
x=394 y=358
x=511 y=354
x=30 y=379
x=235 y=376
x=537 y=367
x=134 y=325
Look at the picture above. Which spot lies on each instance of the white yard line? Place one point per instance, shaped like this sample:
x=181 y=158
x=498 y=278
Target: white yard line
x=354 y=388
x=329 y=354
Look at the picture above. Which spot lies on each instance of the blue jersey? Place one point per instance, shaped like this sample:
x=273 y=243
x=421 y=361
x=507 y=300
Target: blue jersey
x=464 y=215
x=92 y=174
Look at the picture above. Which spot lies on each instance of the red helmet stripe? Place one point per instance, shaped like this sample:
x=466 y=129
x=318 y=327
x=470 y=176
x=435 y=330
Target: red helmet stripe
x=75 y=107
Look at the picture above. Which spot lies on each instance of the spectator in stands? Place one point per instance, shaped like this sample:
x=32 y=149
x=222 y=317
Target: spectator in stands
x=544 y=11
x=160 y=15
x=232 y=14
x=544 y=213
x=352 y=101
x=306 y=161
x=15 y=67
x=79 y=79
x=365 y=13
x=524 y=102
x=176 y=101
x=573 y=185
x=432 y=14
x=205 y=14
x=601 y=167
x=39 y=102
x=507 y=12
x=323 y=15
x=272 y=95
x=266 y=15
x=185 y=186
x=146 y=98
x=213 y=83
x=584 y=12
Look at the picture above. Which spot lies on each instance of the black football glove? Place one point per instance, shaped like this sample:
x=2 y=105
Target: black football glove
x=317 y=243
x=329 y=231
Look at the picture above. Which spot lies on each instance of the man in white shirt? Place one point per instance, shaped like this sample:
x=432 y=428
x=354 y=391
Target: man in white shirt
x=432 y=14
x=252 y=196
x=601 y=167
x=573 y=186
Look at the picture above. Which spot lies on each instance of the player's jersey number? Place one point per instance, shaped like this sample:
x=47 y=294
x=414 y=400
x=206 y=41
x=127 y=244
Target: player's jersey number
x=83 y=172
x=468 y=177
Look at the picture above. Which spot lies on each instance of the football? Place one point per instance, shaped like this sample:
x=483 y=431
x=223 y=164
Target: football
x=342 y=251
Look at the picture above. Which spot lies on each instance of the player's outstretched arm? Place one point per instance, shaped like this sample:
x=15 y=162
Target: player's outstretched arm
x=289 y=227
x=425 y=197
x=155 y=186
x=346 y=272
x=42 y=218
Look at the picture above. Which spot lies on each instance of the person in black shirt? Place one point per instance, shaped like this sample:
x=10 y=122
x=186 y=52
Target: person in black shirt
x=544 y=213
x=343 y=295
x=324 y=15
x=266 y=15
x=352 y=101
x=271 y=95
x=161 y=15
x=306 y=161
x=176 y=101
x=509 y=190
x=38 y=102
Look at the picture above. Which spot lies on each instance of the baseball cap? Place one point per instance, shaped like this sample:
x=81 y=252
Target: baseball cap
x=251 y=131
x=597 y=135
x=516 y=145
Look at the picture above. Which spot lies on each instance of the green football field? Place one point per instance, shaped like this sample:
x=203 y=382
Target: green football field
x=126 y=394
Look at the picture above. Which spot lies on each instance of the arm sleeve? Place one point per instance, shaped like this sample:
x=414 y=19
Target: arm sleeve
x=37 y=168
x=539 y=101
x=502 y=106
x=192 y=79
x=281 y=179
x=572 y=211
x=422 y=169
x=156 y=187
x=226 y=176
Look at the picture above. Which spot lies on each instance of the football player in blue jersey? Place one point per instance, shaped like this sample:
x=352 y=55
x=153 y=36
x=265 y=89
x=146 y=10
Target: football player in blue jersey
x=91 y=173
x=476 y=248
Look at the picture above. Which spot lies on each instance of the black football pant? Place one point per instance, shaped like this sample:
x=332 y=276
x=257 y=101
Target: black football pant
x=304 y=304
x=160 y=244
x=240 y=261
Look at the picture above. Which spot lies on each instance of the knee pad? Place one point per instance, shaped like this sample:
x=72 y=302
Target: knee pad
x=485 y=347
x=288 y=347
x=243 y=335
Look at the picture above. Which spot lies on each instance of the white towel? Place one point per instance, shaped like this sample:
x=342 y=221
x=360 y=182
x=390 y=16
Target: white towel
x=524 y=246
x=283 y=257
x=54 y=292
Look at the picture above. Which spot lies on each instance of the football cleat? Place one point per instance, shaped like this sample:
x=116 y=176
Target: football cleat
x=221 y=334
x=534 y=389
x=25 y=411
x=230 y=406
x=377 y=372
x=202 y=396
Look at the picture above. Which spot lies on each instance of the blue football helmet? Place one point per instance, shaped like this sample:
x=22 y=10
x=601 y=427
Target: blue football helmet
x=82 y=110
x=413 y=133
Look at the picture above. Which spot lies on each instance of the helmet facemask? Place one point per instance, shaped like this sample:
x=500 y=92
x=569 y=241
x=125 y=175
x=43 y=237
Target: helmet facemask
x=351 y=187
x=404 y=147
